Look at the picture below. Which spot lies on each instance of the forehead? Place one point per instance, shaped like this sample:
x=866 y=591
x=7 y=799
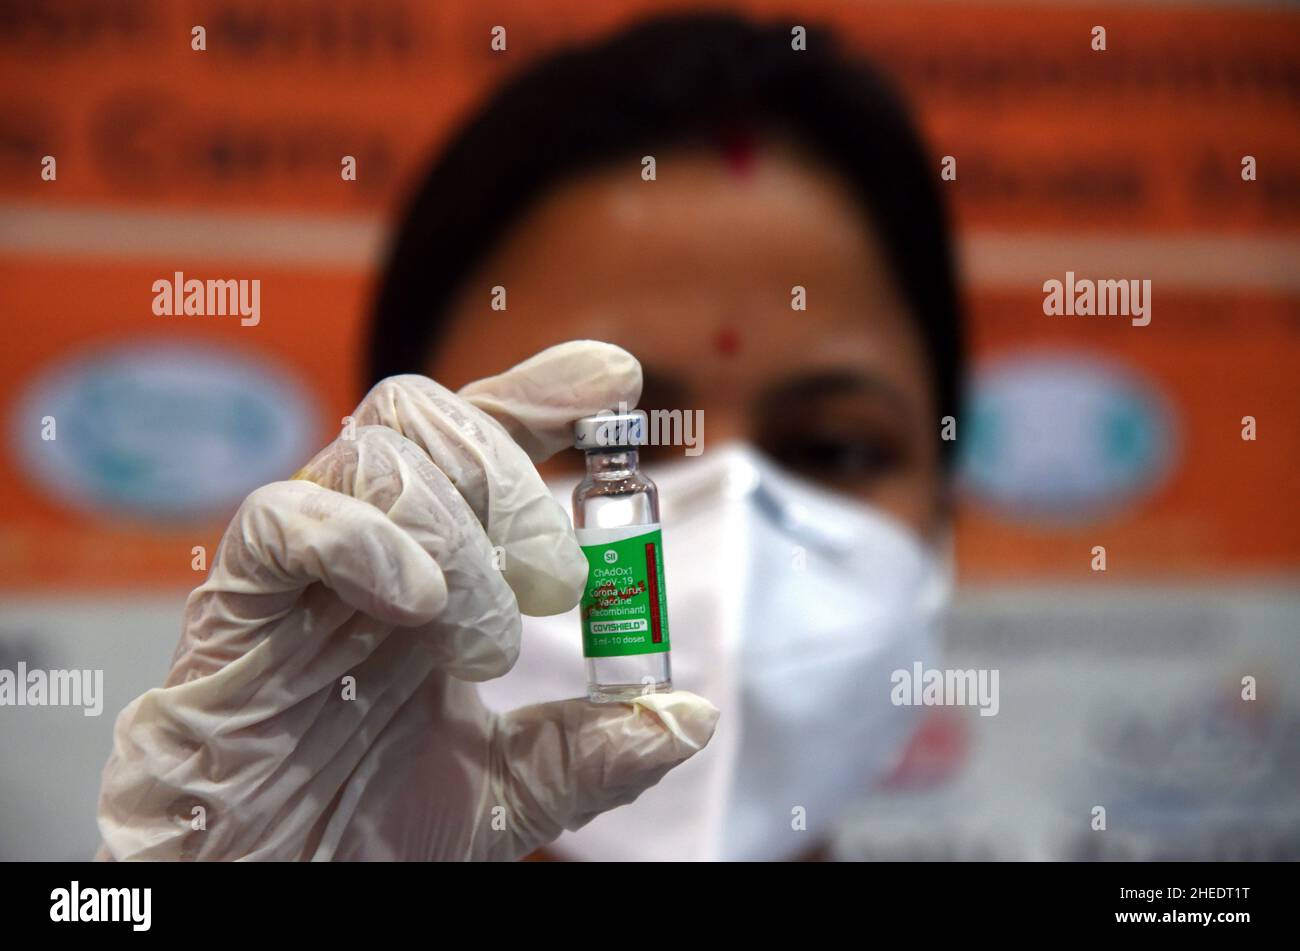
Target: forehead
x=693 y=272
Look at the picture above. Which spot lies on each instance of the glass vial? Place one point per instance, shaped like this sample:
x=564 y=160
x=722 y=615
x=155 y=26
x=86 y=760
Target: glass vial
x=624 y=609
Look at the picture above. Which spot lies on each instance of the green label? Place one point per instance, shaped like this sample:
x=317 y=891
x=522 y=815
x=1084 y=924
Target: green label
x=624 y=610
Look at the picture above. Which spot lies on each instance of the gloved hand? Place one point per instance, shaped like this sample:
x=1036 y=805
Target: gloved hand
x=321 y=702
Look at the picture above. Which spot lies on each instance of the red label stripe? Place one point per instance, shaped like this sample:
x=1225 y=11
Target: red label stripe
x=652 y=582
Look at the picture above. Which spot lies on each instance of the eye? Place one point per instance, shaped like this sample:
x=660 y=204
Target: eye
x=838 y=457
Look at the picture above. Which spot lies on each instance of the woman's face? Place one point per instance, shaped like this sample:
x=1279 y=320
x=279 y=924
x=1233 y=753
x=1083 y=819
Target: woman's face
x=693 y=273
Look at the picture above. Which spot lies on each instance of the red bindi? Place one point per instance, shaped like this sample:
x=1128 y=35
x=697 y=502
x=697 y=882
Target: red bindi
x=740 y=152
x=726 y=342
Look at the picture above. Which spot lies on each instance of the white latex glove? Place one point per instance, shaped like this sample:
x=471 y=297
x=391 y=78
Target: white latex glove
x=320 y=704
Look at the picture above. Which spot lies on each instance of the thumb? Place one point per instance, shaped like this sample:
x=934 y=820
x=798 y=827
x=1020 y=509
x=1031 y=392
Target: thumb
x=567 y=762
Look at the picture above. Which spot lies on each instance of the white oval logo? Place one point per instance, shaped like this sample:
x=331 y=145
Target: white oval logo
x=162 y=431
x=611 y=556
x=1063 y=435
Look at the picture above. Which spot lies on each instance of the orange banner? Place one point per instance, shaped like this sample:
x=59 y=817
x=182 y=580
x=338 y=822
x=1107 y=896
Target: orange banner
x=1046 y=130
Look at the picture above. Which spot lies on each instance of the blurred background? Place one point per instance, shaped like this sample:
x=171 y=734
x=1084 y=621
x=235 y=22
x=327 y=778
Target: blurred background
x=1120 y=686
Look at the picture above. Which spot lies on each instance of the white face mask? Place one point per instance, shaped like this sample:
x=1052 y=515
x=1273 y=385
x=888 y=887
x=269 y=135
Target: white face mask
x=789 y=608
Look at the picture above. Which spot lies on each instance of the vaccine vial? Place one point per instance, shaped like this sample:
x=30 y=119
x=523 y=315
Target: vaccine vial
x=624 y=609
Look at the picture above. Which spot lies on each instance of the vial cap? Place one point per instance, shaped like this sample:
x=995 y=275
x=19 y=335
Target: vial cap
x=611 y=429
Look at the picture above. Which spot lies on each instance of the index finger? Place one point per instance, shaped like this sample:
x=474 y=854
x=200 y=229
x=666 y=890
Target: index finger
x=538 y=400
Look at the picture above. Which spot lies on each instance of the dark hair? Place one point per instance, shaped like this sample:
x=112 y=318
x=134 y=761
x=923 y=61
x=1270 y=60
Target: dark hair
x=661 y=82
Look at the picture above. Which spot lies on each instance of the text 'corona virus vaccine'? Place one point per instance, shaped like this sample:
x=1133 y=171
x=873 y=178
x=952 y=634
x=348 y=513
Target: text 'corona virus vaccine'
x=624 y=607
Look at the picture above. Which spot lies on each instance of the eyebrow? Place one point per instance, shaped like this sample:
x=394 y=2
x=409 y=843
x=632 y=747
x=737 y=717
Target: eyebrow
x=837 y=383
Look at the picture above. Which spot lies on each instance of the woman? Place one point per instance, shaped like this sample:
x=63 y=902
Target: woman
x=759 y=226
